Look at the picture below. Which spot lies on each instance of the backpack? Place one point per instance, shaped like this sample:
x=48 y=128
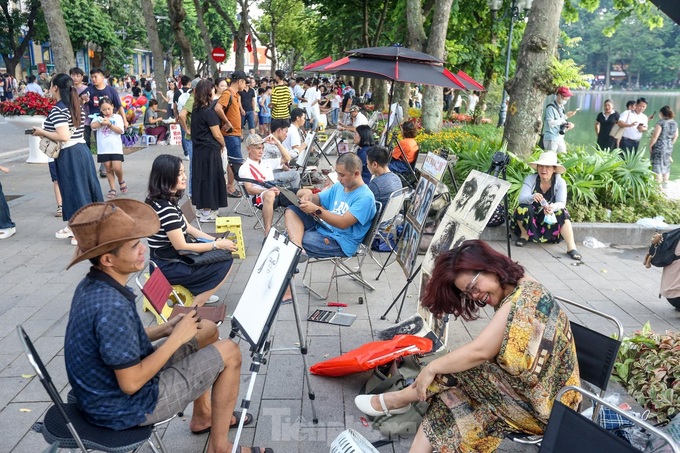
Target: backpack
x=183 y=98
x=662 y=251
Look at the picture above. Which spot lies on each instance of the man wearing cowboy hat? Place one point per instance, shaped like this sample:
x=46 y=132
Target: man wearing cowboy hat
x=119 y=378
x=555 y=123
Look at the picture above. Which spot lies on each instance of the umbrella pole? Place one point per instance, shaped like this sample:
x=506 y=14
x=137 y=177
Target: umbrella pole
x=389 y=114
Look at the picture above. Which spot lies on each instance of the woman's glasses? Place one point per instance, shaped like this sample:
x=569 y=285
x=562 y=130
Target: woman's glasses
x=471 y=288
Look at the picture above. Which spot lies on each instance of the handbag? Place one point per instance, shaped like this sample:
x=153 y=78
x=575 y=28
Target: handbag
x=617 y=132
x=662 y=250
x=52 y=148
x=191 y=258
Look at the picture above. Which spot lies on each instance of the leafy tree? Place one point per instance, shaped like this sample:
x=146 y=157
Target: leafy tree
x=13 y=22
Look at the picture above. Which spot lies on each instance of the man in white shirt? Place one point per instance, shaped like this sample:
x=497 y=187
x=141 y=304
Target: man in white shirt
x=33 y=87
x=357 y=119
x=256 y=169
x=635 y=124
x=293 y=142
x=277 y=156
x=313 y=96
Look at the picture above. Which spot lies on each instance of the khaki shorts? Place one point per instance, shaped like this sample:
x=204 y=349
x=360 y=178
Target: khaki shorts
x=187 y=375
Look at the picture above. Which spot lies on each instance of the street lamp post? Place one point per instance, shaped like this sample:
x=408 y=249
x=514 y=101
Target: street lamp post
x=519 y=9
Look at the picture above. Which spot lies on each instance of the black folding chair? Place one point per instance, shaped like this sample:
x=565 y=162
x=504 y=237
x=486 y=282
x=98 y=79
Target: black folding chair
x=569 y=432
x=596 y=355
x=65 y=425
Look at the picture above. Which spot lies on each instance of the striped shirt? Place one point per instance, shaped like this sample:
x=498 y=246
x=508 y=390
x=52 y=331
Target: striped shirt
x=281 y=100
x=61 y=116
x=171 y=219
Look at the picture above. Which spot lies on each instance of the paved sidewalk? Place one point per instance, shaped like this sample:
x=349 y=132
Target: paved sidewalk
x=37 y=292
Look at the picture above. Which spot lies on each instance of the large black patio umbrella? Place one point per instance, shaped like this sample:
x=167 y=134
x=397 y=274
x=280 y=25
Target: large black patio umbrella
x=670 y=7
x=315 y=66
x=399 y=64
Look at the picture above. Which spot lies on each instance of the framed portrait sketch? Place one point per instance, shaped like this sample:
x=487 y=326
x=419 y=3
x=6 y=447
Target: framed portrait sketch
x=407 y=248
x=422 y=200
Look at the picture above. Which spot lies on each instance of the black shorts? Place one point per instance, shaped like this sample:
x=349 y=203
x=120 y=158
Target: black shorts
x=110 y=158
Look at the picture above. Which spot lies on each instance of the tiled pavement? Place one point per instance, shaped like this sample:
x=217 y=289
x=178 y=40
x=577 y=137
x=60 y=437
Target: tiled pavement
x=36 y=291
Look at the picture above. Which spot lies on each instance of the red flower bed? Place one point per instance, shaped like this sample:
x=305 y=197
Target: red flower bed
x=28 y=104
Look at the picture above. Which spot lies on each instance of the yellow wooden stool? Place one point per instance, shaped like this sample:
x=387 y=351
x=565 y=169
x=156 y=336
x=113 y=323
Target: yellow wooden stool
x=186 y=297
x=232 y=225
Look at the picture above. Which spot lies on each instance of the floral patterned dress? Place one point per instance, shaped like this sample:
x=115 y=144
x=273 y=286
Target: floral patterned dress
x=533 y=218
x=473 y=410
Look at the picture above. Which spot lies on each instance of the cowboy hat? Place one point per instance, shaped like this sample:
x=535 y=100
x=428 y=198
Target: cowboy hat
x=548 y=159
x=101 y=227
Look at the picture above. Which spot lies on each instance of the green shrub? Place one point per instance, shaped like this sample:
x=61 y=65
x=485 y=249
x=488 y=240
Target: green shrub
x=648 y=366
x=602 y=187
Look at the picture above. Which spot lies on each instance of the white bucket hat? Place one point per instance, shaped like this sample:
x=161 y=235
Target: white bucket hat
x=548 y=159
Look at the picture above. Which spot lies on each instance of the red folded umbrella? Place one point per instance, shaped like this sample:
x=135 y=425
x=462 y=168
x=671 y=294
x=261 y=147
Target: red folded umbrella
x=318 y=63
x=371 y=355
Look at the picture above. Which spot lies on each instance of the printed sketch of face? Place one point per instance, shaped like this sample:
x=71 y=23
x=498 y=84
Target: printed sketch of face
x=444 y=242
x=469 y=189
x=485 y=201
x=459 y=242
x=267 y=267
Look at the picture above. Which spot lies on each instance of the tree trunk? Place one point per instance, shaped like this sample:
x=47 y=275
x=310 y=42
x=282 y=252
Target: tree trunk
x=205 y=36
x=177 y=15
x=240 y=38
x=532 y=81
x=256 y=60
x=64 y=58
x=156 y=48
x=433 y=97
x=414 y=22
x=401 y=95
x=380 y=95
x=272 y=59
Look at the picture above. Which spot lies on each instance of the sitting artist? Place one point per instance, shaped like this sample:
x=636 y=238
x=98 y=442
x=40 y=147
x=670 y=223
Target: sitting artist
x=255 y=168
x=119 y=378
x=153 y=124
x=278 y=156
x=507 y=378
x=400 y=162
x=384 y=182
x=542 y=215
x=336 y=220
x=167 y=183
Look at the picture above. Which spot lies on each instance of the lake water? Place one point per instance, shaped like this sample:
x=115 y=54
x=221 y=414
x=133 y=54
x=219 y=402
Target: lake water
x=592 y=102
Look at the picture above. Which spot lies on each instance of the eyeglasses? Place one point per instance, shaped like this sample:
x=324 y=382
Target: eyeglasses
x=471 y=288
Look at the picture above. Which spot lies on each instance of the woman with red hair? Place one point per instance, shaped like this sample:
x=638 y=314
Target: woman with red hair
x=506 y=379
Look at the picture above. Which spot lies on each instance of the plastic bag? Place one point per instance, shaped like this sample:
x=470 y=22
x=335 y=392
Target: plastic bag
x=656 y=222
x=593 y=243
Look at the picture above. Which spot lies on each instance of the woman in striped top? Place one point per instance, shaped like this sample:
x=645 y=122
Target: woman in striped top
x=167 y=183
x=76 y=174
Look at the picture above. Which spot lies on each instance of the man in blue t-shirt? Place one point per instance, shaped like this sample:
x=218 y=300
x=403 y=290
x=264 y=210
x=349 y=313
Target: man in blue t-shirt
x=336 y=220
x=120 y=379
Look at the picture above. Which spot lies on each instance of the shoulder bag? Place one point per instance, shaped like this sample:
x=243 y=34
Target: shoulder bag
x=191 y=258
x=617 y=131
x=52 y=148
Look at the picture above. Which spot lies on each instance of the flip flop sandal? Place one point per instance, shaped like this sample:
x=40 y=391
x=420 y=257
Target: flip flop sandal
x=234 y=194
x=58 y=212
x=521 y=242
x=123 y=187
x=237 y=414
x=574 y=254
x=111 y=194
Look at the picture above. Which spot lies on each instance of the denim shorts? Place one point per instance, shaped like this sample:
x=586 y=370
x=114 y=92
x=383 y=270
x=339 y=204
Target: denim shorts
x=53 y=170
x=315 y=243
x=250 y=118
x=234 y=149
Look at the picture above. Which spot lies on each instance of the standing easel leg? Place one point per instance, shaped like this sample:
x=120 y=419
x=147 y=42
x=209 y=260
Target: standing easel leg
x=303 y=349
x=258 y=359
x=402 y=294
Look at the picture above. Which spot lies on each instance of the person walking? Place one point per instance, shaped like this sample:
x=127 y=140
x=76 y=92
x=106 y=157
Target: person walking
x=661 y=147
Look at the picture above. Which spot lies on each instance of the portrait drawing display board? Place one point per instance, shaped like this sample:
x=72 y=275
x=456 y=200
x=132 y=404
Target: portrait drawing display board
x=421 y=201
x=266 y=285
x=466 y=218
x=407 y=248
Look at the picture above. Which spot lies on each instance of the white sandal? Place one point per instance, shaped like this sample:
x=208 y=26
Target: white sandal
x=64 y=233
x=363 y=403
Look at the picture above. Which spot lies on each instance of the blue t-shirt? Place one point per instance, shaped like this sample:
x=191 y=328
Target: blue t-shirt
x=365 y=173
x=360 y=203
x=104 y=334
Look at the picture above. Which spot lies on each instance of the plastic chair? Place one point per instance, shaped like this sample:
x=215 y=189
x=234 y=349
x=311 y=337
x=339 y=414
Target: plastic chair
x=569 y=432
x=65 y=425
x=147 y=140
x=596 y=355
x=340 y=262
x=157 y=291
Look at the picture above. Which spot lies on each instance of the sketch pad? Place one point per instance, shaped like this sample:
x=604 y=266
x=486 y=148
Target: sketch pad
x=257 y=308
x=332 y=317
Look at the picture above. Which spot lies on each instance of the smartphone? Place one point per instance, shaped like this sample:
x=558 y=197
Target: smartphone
x=29 y=131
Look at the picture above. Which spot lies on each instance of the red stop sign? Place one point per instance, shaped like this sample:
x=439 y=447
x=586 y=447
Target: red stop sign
x=218 y=54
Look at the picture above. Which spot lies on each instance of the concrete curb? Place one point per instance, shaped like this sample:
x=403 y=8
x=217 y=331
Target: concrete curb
x=629 y=234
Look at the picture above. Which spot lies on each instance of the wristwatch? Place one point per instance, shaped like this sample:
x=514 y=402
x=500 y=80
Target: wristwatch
x=318 y=212
x=214 y=245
